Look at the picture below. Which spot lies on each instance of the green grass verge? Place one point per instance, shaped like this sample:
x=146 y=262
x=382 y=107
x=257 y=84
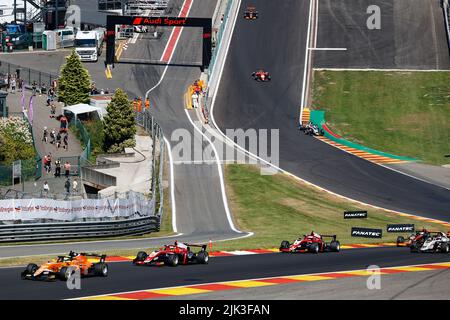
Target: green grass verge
x=280 y=208
x=403 y=113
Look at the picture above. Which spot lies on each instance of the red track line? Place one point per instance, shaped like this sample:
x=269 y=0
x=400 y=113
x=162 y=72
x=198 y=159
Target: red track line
x=175 y=36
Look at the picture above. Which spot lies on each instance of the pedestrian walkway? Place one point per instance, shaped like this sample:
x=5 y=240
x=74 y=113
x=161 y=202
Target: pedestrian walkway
x=41 y=118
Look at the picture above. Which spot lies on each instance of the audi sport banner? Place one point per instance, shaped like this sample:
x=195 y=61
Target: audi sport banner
x=34 y=209
x=366 y=233
x=400 y=228
x=355 y=214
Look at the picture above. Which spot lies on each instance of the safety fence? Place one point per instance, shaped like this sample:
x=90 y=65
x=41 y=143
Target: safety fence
x=80 y=230
x=218 y=35
x=29 y=76
x=146 y=120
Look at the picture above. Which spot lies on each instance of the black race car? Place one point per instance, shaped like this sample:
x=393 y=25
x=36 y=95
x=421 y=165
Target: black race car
x=250 y=13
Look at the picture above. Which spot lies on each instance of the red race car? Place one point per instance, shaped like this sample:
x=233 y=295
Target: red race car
x=417 y=237
x=313 y=243
x=261 y=75
x=172 y=255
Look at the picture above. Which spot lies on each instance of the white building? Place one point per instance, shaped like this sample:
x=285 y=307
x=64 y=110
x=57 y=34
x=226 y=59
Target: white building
x=6 y=10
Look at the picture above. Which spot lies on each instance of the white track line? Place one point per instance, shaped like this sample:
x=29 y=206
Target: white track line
x=219 y=169
x=328 y=49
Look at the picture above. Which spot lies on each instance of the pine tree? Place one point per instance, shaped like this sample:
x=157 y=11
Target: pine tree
x=119 y=124
x=74 y=85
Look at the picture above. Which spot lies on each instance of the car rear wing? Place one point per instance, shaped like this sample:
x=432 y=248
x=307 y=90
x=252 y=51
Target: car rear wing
x=101 y=256
x=203 y=246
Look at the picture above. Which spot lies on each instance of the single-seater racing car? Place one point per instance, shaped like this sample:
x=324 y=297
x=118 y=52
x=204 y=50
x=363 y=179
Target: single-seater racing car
x=418 y=237
x=64 y=266
x=436 y=241
x=172 y=255
x=251 y=13
x=261 y=75
x=313 y=243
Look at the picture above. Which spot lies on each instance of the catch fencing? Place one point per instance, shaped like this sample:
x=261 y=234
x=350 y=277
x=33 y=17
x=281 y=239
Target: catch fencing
x=29 y=76
x=147 y=121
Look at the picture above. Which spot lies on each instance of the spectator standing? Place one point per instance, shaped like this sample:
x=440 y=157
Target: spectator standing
x=49 y=157
x=34 y=88
x=63 y=122
x=52 y=136
x=58 y=140
x=57 y=168
x=46 y=187
x=147 y=103
x=66 y=141
x=52 y=110
x=13 y=85
x=45 y=135
x=46 y=163
x=20 y=84
x=75 y=186
x=67 y=185
x=67 y=168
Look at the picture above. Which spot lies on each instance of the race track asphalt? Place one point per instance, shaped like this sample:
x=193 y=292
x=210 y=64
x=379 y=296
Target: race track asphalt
x=126 y=277
x=411 y=35
x=279 y=47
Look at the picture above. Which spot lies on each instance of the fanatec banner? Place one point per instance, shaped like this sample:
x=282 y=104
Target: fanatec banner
x=366 y=233
x=400 y=228
x=355 y=214
x=35 y=209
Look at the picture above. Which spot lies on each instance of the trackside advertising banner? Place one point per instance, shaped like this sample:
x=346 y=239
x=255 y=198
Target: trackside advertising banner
x=355 y=214
x=366 y=233
x=400 y=228
x=35 y=209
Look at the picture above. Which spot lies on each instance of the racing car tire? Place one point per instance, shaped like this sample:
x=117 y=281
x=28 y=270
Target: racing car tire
x=400 y=239
x=31 y=268
x=172 y=260
x=413 y=248
x=141 y=256
x=64 y=273
x=444 y=248
x=285 y=244
x=335 y=246
x=314 y=248
x=203 y=257
x=101 y=269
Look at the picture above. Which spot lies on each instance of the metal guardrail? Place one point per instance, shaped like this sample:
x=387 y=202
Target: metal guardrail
x=58 y=231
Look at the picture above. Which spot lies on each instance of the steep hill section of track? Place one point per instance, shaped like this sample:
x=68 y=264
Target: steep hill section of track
x=276 y=42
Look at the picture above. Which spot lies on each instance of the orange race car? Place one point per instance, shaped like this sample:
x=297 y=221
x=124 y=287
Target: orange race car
x=64 y=266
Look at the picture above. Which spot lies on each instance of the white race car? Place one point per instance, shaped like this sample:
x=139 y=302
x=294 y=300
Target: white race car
x=434 y=242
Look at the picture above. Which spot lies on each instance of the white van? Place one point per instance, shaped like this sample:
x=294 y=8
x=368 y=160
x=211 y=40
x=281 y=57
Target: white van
x=66 y=37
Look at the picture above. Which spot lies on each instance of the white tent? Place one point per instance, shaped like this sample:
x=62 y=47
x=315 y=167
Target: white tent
x=83 y=108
